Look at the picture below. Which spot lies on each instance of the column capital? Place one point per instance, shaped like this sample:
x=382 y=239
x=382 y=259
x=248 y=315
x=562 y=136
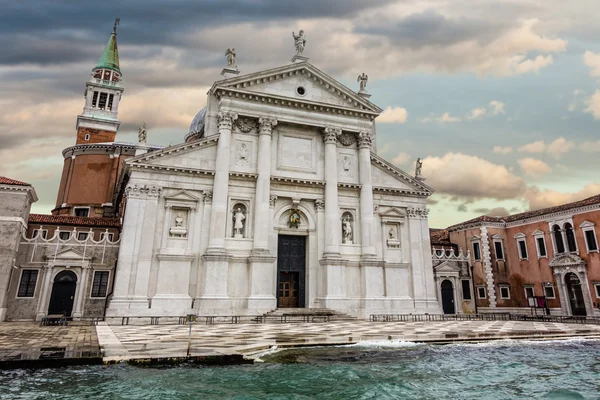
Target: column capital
x=320 y=204
x=331 y=134
x=207 y=195
x=266 y=125
x=226 y=119
x=365 y=139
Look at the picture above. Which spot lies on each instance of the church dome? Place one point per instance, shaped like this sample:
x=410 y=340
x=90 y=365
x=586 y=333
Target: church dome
x=196 y=127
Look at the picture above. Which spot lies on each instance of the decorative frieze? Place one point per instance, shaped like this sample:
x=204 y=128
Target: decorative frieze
x=331 y=133
x=246 y=124
x=414 y=212
x=347 y=139
x=226 y=120
x=142 y=191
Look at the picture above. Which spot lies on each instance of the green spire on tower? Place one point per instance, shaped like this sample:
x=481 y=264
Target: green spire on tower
x=110 y=57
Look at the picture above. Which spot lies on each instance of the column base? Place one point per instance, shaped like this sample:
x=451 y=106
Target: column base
x=431 y=306
x=128 y=307
x=3 y=312
x=171 y=305
x=261 y=304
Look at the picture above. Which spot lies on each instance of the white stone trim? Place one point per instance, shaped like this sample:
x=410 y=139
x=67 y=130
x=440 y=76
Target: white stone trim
x=504 y=286
x=479 y=297
x=91 y=286
x=540 y=235
x=585 y=227
x=487 y=266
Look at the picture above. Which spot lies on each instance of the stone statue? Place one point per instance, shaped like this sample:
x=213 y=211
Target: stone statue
x=347 y=229
x=346 y=163
x=362 y=80
x=230 y=54
x=418 y=167
x=178 y=220
x=238 y=226
x=392 y=233
x=299 y=42
x=142 y=134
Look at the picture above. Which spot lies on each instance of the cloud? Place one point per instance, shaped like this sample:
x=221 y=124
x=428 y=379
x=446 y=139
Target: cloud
x=559 y=147
x=396 y=115
x=445 y=117
x=402 y=159
x=533 y=167
x=593 y=105
x=477 y=113
x=549 y=198
x=592 y=60
x=590 y=146
x=462 y=208
x=502 y=150
x=535 y=147
x=497 y=107
x=469 y=177
x=532 y=65
x=494 y=212
x=572 y=107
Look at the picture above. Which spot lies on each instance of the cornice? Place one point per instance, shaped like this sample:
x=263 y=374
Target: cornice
x=282 y=179
x=96 y=146
x=174 y=149
x=170 y=168
x=20 y=188
x=401 y=191
x=403 y=175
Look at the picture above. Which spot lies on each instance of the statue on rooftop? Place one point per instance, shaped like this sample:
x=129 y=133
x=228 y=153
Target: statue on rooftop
x=418 y=167
x=142 y=134
x=299 y=41
x=362 y=80
x=230 y=54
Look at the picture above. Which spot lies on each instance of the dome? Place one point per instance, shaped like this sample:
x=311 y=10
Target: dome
x=197 y=126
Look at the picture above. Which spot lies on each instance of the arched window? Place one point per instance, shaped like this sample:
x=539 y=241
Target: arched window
x=570 y=237
x=558 y=240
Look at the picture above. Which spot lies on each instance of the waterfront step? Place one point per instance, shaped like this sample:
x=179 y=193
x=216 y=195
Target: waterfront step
x=309 y=314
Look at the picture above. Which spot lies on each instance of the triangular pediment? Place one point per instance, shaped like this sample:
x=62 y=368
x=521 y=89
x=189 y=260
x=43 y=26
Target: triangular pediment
x=284 y=81
x=387 y=175
x=393 y=212
x=566 y=260
x=69 y=254
x=447 y=267
x=182 y=196
x=197 y=155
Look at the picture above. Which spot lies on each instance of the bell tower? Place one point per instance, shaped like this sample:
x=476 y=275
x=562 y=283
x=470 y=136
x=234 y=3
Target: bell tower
x=98 y=123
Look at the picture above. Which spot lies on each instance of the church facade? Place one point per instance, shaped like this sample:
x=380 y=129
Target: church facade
x=277 y=198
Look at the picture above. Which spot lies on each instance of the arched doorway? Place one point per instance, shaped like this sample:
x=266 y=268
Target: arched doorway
x=448 y=297
x=575 y=294
x=63 y=293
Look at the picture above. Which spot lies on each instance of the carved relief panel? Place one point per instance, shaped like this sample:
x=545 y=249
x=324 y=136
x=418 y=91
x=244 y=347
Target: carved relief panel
x=347 y=166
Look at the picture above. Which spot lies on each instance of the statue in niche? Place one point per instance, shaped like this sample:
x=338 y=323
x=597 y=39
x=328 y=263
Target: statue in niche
x=392 y=240
x=294 y=218
x=142 y=134
x=362 y=80
x=392 y=233
x=238 y=226
x=230 y=54
x=347 y=230
x=178 y=229
x=299 y=41
x=179 y=220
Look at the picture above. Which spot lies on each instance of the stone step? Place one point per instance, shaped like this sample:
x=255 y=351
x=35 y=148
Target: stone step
x=337 y=315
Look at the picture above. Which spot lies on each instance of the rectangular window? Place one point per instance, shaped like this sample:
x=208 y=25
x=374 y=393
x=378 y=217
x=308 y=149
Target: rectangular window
x=541 y=245
x=95 y=99
x=499 y=250
x=504 y=292
x=27 y=284
x=100 y=284
x=41 y=233
x=549 y=292
x=110 y=102
x=82 y=235
x=102 y=100
x=481 y=292
x=522 y=249
x=590 y=240
x=597 y=286
x=476 y=251
x=466 y=289
x=81 y=211
x=109 y=235
x=529 y=291
x=64 y=235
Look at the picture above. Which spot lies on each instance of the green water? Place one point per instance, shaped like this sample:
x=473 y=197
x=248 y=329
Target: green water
x=499 y=370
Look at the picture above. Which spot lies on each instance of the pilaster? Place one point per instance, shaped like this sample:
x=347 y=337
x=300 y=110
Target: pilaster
x=365 y=139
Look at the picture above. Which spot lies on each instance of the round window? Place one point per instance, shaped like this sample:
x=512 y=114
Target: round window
x=300 y=90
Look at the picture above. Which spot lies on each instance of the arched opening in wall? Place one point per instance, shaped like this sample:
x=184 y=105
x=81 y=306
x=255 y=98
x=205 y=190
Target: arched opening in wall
x=347 y=228
x=572 y=246
x=448 y=297
x=558 y=240
x=240 y=218
x=63 y=294
x=575 y=294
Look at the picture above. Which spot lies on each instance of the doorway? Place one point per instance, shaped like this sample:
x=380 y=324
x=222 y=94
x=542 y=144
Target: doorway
x=63 y=294
x=291 y=271
x=448 y=297
x=575 y=294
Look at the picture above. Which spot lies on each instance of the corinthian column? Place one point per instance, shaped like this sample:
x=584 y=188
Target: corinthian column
x=263 y=185
x=332 y=220
x=365 y=139
x=218 y=216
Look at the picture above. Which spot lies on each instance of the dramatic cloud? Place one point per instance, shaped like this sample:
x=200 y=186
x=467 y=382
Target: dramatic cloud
x=502 y=150
x=462 y=208
x=533 y=167
x=469 y=177
x=592 y=60
x=396 y=115
x=549 y=198
x=494 y=212
x=402 y=159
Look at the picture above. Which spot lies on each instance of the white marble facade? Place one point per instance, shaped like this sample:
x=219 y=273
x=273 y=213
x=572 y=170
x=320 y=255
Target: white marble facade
x=291 y=151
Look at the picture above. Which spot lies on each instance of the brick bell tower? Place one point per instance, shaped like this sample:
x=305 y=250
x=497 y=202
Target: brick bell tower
x=98 y=123
x=92 y=166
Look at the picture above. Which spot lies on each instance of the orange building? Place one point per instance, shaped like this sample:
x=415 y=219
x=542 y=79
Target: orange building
x=551 y=253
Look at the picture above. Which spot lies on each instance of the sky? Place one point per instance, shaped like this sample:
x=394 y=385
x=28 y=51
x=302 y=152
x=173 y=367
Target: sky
x=501 y=98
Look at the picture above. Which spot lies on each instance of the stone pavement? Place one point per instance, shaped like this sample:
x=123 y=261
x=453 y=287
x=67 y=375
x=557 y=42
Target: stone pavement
x=121 y=342
x=30 y=341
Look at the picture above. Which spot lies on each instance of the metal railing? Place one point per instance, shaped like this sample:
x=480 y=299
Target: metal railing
x=483 y=317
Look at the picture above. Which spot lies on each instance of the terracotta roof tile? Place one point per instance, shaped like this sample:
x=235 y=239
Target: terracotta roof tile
x=7 y=181
x=71 y=220
x=439 y=237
